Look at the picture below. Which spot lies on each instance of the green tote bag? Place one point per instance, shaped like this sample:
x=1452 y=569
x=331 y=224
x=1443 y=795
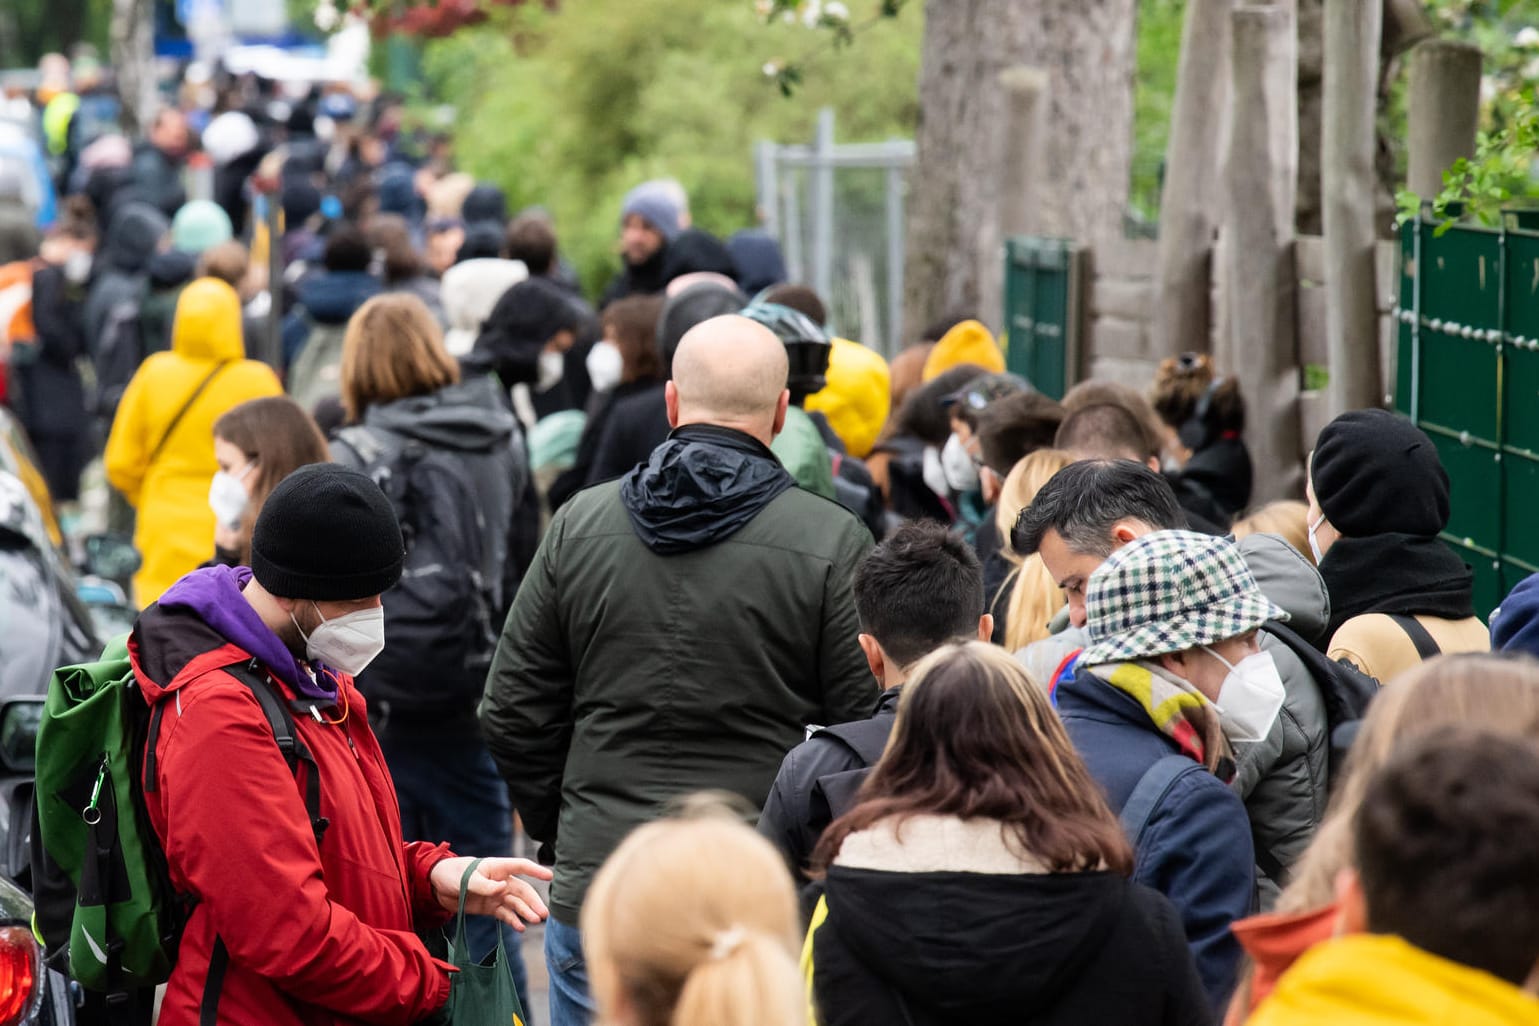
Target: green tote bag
x=479 y=994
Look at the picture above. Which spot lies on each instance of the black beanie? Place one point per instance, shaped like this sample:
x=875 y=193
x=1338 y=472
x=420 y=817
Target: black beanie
x=1377 y=473
x=326 y=533
x=696 y=304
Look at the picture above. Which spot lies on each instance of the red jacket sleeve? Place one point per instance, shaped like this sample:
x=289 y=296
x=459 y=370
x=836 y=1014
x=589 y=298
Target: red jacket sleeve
x=245 y=849
x=421 y=857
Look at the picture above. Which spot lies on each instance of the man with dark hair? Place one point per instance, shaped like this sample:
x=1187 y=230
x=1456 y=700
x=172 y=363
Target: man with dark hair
x=920 y=589
x=531 y=239
x=1106 y=431
x=801 y=299
x=1010 y=430
x=1439 y=909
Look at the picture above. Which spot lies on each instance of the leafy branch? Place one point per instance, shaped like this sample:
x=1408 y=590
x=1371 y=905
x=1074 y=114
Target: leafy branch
x=832 y=17
x=1500 y=174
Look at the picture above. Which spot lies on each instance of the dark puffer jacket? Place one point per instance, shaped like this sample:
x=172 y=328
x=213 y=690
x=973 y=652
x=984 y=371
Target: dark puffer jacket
x=677 y=631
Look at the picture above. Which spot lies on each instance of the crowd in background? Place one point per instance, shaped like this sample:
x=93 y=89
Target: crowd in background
x=1038 y=716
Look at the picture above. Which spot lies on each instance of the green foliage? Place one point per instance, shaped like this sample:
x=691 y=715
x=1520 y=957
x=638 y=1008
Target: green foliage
x=1154 y=91
x=570 y=109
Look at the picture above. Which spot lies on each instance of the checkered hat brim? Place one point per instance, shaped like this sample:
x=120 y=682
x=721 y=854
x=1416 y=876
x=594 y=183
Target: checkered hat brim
x=1168 y=592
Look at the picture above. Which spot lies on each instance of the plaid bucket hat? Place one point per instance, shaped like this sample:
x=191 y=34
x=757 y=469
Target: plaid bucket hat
x=1170 y=591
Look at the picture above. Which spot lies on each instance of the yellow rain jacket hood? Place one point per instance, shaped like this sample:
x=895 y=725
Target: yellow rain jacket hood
x=858 y=395
x=1375 y=980
x=968 y=342
x=160 y=453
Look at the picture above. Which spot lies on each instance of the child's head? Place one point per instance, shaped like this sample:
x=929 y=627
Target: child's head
x=1447 y=851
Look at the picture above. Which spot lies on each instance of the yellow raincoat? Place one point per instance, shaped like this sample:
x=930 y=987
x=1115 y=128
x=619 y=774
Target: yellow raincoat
x=175 y=531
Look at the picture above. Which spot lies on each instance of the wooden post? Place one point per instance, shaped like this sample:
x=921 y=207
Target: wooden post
x=1260 y=186
x=1348 y=188
x=1182 y=318
x=1444 y=111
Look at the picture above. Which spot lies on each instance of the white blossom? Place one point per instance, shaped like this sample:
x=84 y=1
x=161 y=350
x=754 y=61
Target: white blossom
x=836 y=11
x=327 y=16
x=1527 y=37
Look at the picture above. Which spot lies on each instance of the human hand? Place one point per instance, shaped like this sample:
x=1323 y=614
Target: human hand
x=494 y=889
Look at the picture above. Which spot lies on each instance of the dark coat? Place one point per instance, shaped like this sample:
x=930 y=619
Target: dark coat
x=122 y=264
x=944 y=948
x=643 y=279
x=639 y=664
x=1197 y=848
x=634 y=426
x=50 y=392
x=158 y=179
x=575 y=478
x=1215 y=485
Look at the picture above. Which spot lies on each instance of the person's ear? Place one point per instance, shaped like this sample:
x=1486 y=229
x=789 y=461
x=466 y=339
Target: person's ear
x=986 y=627
x=671 y=401
x=1175 y=662
x=1122 y=533
x=875 y=657
x=1352 y=916
x=781 y=405
x=1153 y=463
x=990 y=484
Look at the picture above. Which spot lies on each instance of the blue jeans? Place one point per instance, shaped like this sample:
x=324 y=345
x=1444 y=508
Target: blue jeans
x=450 y=790
x=570 y=1002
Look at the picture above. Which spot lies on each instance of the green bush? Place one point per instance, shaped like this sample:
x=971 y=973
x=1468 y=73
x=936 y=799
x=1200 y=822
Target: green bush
x=570 y=109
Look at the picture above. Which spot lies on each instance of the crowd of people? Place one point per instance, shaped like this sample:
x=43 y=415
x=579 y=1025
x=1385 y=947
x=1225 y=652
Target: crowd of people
x=831 y=688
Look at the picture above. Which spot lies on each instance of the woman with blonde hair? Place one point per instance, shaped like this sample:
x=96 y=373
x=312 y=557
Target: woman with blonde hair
x=1030 y=597
x=257 y=444
x=1479 y=691
x=1288 y=519
x=983 y=842
x=693 y=922
x=448 y=454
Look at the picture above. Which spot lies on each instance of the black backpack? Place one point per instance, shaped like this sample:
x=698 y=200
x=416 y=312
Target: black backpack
x=1345 y=690
x=120 y=351
x=439 y=629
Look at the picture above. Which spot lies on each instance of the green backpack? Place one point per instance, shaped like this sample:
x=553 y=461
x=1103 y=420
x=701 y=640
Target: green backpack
x=104 y=906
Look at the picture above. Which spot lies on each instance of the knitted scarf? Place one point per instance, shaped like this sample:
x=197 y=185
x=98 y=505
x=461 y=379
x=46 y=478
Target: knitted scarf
x=1178 y=709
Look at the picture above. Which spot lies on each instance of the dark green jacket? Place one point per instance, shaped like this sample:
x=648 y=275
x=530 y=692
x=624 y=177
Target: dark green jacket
x=627 y=677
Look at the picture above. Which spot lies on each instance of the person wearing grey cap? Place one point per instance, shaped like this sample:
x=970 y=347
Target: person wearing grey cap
x=305 y=901
x=650 y=218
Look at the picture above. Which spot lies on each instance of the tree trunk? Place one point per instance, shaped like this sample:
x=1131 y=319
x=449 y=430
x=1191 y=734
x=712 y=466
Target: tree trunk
x=133 y=58
x=1182 y=318
x=1311 y=65
x=1086 y=49
x=1444 y=111
x=1260 y=179
x=1349 y=190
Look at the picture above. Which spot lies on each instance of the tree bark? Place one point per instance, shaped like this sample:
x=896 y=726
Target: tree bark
x=1260 y=185
x=1183 y=283
x=133 y=58
x=1311 y=16
x=1022 y=134
x=1348 y=187
x=1444 y=111
x=1086 y=49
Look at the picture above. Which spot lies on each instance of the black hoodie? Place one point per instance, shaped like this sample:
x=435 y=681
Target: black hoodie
x=984 y=948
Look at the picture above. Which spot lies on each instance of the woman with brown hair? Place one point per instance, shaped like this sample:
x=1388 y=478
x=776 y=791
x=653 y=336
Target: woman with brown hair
x=622 y=363
x=448 y=454
x=692 y=922
x=984 y=844
x=1479 y=691
x=257 y=444
x=1203 y=415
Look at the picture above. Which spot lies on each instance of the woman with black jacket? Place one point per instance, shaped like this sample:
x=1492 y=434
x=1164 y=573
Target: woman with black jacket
x=983 y=879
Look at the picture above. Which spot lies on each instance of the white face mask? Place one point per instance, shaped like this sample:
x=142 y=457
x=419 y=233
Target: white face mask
x=77 y=267
x=605 y=365
x=1251 y=696
x=552 y=367
x=957 y=463
x=348 y=643
x=934 y=474
x=1314 y=543
x=227 y=496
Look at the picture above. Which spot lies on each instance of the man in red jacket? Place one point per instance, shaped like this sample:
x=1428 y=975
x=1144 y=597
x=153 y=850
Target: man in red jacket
x=296 y=922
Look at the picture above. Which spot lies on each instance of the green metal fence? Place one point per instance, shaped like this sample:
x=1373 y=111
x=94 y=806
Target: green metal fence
x=1042 y=289
x=1468 y=374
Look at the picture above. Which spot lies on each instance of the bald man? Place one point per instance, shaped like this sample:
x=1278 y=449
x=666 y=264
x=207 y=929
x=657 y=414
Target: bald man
x=679 y=629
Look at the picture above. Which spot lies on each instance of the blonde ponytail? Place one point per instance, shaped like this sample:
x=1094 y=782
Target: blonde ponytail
x=750 y=980
x=693 y=922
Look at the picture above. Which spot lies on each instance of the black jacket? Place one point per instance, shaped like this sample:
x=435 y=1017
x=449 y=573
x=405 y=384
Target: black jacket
x=986 y=948
x=634 y=426
x=797 y=809
x=644 y=279
x=575 y=478
x=1215 y=485
x=677 y=631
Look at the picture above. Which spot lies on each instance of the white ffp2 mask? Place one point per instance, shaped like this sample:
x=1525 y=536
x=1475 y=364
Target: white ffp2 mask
x=349 y=642
x=605 y=366
x=1251 y=696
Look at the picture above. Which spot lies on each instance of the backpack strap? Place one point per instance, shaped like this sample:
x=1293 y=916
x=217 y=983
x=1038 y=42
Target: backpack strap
x=177 y=419
x=1151 y=790
x=1426 y=646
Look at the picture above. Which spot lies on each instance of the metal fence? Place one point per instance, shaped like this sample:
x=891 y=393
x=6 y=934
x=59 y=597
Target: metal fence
x=838 y=211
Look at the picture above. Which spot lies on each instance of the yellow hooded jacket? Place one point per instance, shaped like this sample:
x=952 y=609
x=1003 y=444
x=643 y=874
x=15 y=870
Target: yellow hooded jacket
x=175 y=530
x=857 y=397
x=967 y=342
x=1377 y=980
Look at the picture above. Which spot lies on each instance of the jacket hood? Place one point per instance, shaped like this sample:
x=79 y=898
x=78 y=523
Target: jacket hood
x=759 y=261
x=471 y=289
x=700 y=487
x=172 y=268
x=208 y=322
x=133 y=237
x=203 y=623
x=975 y=947
x=334 y=296
x=1291 y=581
x=468 y=416
x=523 y=321
x=1374 y=980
